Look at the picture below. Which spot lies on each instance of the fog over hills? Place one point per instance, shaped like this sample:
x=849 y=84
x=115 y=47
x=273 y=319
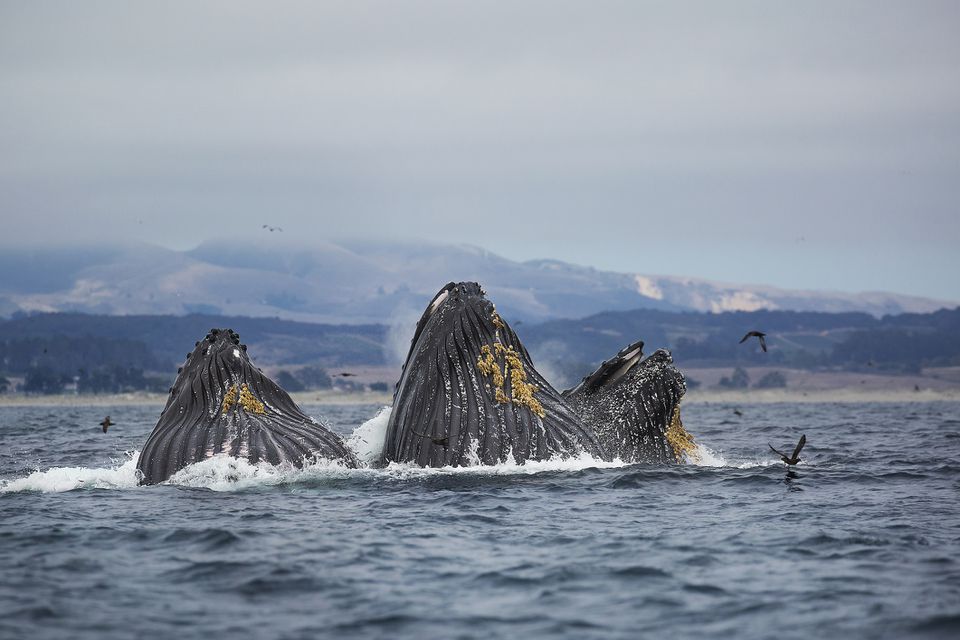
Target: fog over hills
x=354 y=282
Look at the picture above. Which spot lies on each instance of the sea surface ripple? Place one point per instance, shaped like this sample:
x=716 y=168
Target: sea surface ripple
x=861 y=540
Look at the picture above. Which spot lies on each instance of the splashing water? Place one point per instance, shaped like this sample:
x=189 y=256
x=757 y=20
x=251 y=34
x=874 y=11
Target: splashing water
x=368 y=439
x=704 y=456
x=225 y=473
x=58 y=479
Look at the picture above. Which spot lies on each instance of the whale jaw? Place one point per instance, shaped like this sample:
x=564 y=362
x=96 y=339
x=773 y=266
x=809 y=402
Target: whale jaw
x=222 y=404
x=633 y=406
x=469 y=393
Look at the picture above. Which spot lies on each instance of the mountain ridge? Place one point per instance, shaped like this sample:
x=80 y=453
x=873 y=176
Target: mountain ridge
x=369 y=282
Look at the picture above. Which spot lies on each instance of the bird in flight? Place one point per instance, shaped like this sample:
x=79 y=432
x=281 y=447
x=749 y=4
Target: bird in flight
x=106 y=424
x=346 y=374
x=758 y=334
x=795 y=458
x=272 y=229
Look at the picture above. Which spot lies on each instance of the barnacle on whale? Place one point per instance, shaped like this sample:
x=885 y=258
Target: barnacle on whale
x=469 y=392
x=507 y=363
x=198 y=423
x=680 y=439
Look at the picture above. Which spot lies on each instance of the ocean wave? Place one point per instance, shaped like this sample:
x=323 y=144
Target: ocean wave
x=367 y=440
x=225 y=473
x=704 y=456
x=59 y=479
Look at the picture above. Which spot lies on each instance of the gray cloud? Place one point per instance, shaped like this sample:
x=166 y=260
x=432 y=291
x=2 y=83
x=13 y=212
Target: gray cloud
x=802 y=144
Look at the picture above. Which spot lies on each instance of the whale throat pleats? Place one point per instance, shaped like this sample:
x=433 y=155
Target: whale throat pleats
x=469 y=393
x=221 y=404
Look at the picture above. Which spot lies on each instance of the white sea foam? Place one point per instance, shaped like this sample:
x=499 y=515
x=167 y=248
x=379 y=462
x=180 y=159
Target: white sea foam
x=224 y=473
x=508 y=468
x=704 y=456
x=57 y=479
x=368 y=439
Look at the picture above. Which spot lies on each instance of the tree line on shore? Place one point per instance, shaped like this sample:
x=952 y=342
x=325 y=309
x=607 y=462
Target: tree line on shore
x=53 y=352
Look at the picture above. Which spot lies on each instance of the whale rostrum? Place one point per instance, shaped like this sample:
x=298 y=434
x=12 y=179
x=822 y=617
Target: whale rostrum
x=470 y=394
x=221 y=404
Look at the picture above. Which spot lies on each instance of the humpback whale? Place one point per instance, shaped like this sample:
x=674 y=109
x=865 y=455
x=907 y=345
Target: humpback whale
x=221 y=404
x=469 y=394
x=633 y=406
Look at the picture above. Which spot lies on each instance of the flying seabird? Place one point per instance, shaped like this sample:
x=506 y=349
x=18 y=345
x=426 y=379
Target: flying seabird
x=758 y=334
x=106 y=424
x=795 y=458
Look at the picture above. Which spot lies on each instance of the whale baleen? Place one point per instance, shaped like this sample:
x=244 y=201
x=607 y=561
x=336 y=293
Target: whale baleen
x=632 y=404
x=222 y=404
x=470 y=394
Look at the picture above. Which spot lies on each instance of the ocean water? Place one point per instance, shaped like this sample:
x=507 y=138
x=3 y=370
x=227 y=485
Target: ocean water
x=861 y=540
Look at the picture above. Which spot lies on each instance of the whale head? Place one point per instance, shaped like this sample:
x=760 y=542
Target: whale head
x=221 y=403
x=469 y=392
x=633 y=405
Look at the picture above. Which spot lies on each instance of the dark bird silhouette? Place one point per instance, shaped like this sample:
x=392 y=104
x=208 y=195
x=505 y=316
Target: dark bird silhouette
x=272 y=229
x=443 y=442
x=106 y=424
x=346 y=374
x=795 y=458
x=757 y=334
x=737 y=412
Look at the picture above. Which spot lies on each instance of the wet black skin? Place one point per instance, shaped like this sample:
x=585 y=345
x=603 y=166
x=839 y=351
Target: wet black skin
x=446 y=410
x=263 y=424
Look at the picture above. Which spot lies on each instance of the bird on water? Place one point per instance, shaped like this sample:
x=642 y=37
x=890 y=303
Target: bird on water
x=795 y=458
x=757 y=334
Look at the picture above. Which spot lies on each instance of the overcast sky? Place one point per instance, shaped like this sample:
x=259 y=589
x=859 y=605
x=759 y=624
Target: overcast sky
x=801 y=144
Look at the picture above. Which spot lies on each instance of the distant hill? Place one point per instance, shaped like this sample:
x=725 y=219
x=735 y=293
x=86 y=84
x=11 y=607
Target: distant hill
x=169 y=338
x=66 y=343
x=355 y=283
x=846 y=341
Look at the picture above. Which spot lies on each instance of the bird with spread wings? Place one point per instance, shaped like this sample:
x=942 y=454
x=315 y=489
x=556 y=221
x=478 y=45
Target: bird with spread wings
x=795 y=458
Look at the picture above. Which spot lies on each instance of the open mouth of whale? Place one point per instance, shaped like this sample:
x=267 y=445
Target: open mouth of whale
x=632 y=404
x=469 y=393
x=221 y=403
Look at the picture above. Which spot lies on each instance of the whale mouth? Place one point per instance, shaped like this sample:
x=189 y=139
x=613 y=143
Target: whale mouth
x=219 y=349
x=469 y=393
x=611 y=371
x=222 y=404
x=633 y=405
